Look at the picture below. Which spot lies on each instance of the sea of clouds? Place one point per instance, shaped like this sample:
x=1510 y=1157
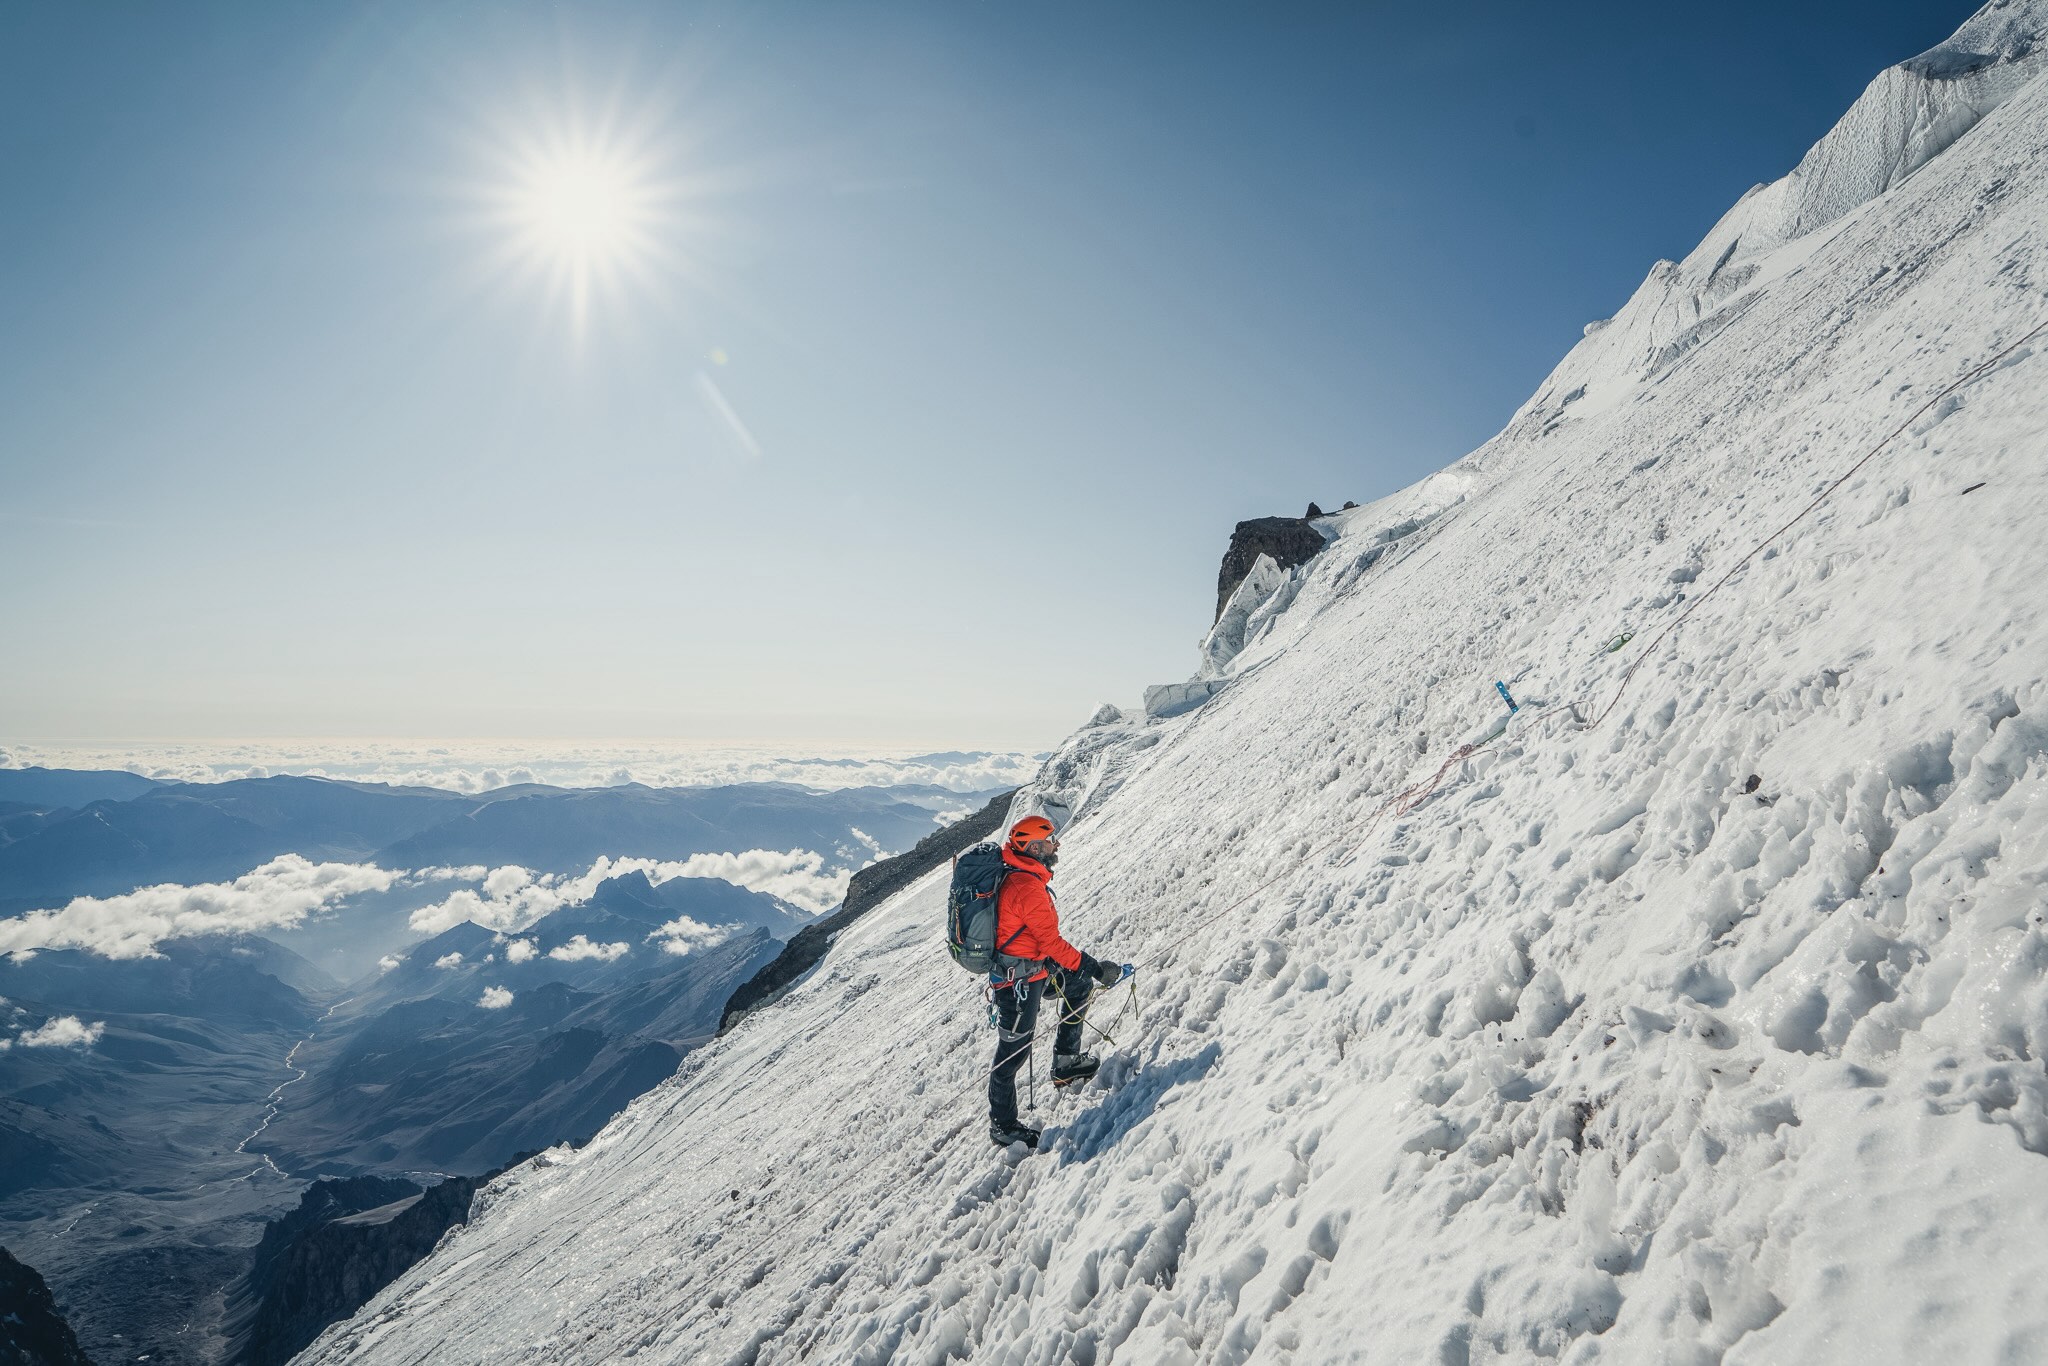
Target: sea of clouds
x=275 y=896
x=509 y=898
x=480 y=766
x=285 y=892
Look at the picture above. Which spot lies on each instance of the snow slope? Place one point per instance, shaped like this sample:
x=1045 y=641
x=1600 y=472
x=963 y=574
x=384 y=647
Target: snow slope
x=1591 y=1053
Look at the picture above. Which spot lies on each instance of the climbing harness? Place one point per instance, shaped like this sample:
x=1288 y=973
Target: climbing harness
x=1024 y=1041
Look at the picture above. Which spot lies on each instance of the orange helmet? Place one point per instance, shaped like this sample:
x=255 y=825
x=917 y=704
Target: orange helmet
x=1029 y=829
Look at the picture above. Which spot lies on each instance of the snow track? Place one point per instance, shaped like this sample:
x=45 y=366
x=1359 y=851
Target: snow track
x=1599 y=1050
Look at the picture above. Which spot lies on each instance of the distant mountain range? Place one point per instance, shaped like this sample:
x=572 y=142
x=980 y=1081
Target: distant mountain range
x=223 y=1073
x=413 y=1074
x=46 y=788
x=136 y=1139
x=100 y=834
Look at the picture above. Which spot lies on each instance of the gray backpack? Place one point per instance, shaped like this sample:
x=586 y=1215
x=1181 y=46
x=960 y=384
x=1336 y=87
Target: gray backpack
x=978 y=875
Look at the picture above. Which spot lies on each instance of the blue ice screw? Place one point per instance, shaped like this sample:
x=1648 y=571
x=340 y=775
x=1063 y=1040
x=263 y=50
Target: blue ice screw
x=1507 y=697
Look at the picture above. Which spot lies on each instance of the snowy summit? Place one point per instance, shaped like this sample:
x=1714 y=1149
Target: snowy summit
x=1692 y=1012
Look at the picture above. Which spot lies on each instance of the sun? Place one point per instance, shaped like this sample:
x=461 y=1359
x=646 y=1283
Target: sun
x=588 y=216
x=584 y=208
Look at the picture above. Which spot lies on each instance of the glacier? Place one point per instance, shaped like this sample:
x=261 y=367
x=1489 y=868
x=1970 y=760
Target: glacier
x=1693 y=1013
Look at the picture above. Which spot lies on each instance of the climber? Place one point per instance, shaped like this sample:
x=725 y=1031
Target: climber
x=1028 y=928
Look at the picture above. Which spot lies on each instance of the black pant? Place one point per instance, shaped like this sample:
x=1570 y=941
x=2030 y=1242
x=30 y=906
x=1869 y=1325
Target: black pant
x=1017 y=1021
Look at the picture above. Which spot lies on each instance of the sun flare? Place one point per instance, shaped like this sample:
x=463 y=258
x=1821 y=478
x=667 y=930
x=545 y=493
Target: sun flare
x=588 y=217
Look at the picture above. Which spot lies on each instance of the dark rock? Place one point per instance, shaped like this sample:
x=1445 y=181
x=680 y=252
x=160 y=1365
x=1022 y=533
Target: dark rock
x=159 y=1300
x=32 y=1332
x=347 y=1240
x=1347 y=506
x=1289 y=540
x=1313 y=512
x=870 y=887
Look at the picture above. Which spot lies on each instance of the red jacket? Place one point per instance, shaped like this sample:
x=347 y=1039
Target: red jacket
x=1024 y=908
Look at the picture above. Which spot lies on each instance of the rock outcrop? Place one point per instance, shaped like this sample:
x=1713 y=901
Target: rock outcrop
x=31 y=1330
x=871 y=886
x=1289 y=540
x=347 y=1240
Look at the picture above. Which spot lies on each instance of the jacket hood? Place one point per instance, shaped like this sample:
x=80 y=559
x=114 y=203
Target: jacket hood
x=1025 y=864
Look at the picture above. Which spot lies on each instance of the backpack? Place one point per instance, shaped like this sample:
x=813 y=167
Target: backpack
x=978 y=875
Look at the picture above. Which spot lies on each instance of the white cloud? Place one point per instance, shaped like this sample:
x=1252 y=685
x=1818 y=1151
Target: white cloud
x=521 y=951
x=446 y=915
x=511 y=899
x=278 y=895
x=388 y=962
x=580 y=948
x=683 y=934
x=59 y=1031
x=287 y=890
x=797 y=876
x=469 y=872
x=448 y=960
x=501 y=883
x=514 y=898
x=494 y=998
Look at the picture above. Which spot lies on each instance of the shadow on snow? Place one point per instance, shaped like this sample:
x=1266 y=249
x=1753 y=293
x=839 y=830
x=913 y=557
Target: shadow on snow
x=1123 y=1109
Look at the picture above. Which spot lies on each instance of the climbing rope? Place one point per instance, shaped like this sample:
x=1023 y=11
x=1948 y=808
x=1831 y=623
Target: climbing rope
x=1130 y=1004
x=1968 y=377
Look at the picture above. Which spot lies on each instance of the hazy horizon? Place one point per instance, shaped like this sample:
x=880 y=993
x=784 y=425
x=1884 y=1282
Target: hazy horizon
x=481 y=765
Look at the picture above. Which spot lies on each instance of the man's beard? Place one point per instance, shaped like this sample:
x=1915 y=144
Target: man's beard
x=1049 y=860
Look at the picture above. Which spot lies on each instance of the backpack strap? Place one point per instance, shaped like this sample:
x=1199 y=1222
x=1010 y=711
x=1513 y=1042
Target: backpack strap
x=1002 y=948
x=1007 y=872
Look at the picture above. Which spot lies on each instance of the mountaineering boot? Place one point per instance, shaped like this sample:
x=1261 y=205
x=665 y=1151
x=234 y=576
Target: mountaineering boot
x=1068 y=1068
x=1003 y=1135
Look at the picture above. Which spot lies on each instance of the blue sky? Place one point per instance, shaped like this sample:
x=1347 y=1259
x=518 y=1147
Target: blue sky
x=956 y=338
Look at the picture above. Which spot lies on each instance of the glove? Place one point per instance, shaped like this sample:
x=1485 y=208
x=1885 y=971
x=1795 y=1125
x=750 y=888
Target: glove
x=1105 y=974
